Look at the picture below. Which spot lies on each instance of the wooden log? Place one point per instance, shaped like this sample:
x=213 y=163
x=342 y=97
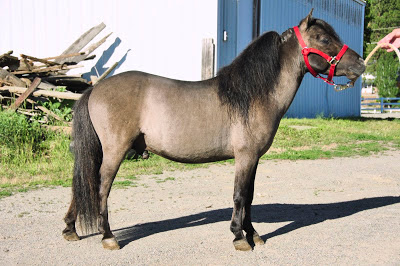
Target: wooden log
x=25 y=94
x=89 y=50
x=46 y=62
x=48 y=112
x=44 y=85
x=9 y=77
x=28 y=82
x=64 y=56
x=28 y=113
x=6 y=83
x=105 y=74
x=45 y=93
x=81 y=42
x=207 y=59
x=26 y=65
x=47 y=69
x=94 y=79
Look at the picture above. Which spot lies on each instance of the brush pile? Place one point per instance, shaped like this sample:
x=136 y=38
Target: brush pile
x=30 y=85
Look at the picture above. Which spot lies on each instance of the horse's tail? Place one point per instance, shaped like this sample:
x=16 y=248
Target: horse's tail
x=88 y=158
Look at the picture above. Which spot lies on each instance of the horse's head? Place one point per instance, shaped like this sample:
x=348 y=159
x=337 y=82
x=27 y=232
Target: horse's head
x=319 y=35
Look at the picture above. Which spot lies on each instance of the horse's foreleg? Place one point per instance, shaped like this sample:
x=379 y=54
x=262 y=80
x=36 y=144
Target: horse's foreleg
x=69 y=232
x=244 y=180
x=108 y=172
x=247 y=225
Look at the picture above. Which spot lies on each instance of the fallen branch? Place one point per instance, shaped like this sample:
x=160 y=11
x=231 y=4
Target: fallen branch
x=46 y=62
x=48 y=112
x=46 y=93
x=82 y=41
x=64 y=56
x=25 y=94
x=47 y=69
x=105 y=74
x=8 y=77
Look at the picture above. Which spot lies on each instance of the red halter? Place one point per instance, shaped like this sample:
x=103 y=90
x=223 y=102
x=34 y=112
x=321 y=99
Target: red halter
x=333 y=61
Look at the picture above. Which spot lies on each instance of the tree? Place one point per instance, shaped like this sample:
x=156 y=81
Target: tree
x=381 y=17
x=386 y=74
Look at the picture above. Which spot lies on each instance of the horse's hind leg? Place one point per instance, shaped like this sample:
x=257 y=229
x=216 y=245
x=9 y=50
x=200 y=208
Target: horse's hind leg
x=69 y=232
x=112 y=158
x=244 y=180
x=247 y=225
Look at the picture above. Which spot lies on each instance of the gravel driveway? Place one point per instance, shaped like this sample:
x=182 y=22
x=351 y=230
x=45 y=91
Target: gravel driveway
x=342 y=211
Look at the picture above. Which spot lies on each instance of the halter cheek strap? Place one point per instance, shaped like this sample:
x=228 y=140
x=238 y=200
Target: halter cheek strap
x=333 y=61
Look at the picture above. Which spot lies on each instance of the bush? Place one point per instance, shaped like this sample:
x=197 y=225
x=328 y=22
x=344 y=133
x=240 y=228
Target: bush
x=19 y=138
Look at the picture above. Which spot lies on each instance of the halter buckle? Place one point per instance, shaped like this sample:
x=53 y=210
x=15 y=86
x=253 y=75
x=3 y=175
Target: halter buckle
x=333 y=61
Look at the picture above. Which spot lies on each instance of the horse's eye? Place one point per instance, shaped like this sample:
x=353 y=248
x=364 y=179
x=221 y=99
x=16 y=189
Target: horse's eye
x=325 y=40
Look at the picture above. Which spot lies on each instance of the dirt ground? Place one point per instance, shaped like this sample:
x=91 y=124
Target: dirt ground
x=343 y=211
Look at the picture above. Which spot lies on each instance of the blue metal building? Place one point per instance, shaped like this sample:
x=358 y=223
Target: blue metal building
x=239 y=21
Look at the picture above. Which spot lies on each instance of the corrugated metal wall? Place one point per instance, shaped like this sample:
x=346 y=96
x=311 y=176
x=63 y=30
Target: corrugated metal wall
x=347 y=17
x=314 y=97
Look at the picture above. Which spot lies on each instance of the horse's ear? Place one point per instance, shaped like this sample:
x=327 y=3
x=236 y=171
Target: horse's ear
x=306 y=22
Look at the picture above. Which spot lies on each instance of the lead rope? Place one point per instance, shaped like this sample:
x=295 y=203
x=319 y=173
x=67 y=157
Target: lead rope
x=351 y=84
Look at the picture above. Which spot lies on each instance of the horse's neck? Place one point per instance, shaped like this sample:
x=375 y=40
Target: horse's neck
x=291 y=75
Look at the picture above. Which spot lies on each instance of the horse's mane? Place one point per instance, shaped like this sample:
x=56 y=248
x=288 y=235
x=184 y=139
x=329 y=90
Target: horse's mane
x=326 y=27
x=251 y=76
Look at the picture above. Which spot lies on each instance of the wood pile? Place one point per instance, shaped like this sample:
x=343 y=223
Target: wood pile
x=31 y=80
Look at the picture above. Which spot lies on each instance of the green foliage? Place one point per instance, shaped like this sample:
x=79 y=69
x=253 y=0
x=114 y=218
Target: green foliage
x=20 y=140
x=381 y=17
x=62 y=108
x=386 y=73
x=31 y=155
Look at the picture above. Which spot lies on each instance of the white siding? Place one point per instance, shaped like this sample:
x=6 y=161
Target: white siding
x=157 y=36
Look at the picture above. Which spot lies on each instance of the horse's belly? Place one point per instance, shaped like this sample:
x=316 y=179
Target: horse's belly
x=189 y=147
x=185 y=122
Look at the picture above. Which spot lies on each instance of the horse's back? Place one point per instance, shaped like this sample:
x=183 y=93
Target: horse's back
x=180 y=120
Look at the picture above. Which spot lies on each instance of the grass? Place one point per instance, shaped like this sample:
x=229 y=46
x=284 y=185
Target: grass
x=32 y=157
x=328 y=138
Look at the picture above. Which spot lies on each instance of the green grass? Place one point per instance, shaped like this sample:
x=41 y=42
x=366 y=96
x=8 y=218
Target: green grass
x=32 y=156
x=328 y=138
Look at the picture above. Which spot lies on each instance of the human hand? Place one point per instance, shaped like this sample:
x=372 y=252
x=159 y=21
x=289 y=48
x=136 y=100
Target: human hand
x=392 y=38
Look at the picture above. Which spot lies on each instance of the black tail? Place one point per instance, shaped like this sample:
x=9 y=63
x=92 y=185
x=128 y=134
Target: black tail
x=88 y=158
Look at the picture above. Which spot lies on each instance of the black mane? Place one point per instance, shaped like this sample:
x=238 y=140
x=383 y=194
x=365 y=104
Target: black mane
x=251 y=75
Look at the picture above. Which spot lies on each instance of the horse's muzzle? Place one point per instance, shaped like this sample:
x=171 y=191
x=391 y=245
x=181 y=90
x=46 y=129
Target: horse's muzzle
x=355 y=70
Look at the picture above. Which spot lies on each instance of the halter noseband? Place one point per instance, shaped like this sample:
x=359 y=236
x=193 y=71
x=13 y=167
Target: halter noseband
x=333 y=61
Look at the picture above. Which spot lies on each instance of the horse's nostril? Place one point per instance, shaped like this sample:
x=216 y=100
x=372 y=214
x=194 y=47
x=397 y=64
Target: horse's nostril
x=358 y=70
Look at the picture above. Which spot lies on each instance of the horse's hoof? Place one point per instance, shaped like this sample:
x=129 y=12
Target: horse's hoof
x=258 y=240
x=110 y=243
x=242 y=245
x=71 y=236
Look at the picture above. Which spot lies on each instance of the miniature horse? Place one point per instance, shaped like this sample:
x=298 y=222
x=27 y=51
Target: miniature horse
x=234 y=115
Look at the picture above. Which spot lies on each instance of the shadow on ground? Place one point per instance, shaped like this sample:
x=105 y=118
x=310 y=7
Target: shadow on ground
x=300 y=215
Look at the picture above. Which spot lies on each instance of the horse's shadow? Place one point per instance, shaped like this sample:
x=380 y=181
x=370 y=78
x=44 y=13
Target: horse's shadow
x=301 y=215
